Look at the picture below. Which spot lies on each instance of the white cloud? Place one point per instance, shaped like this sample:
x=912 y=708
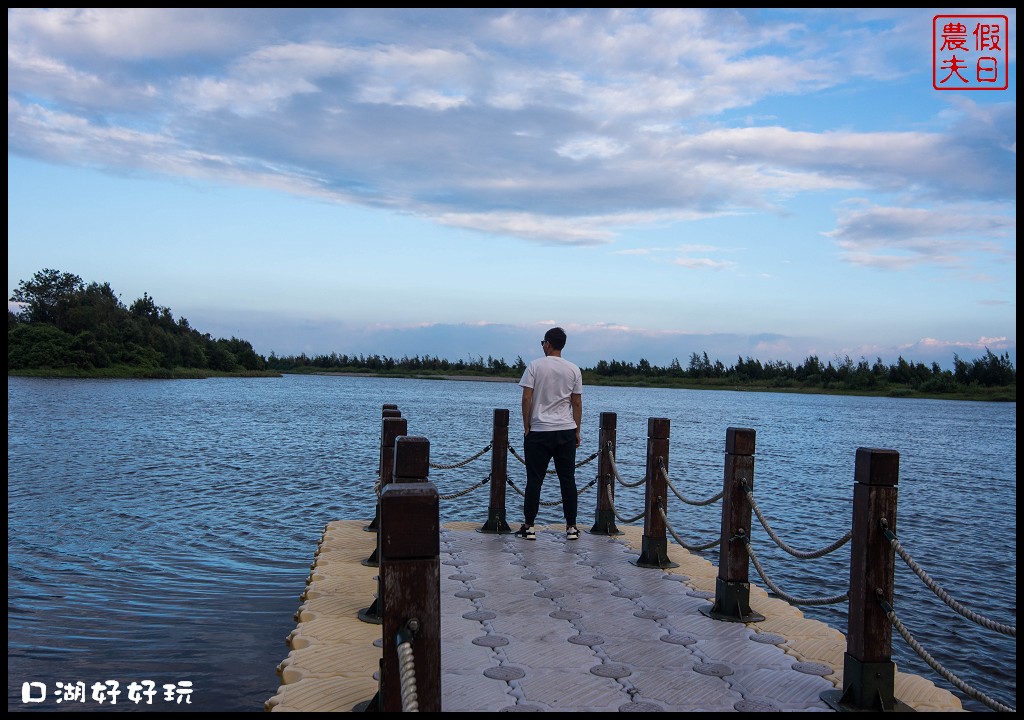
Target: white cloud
x=128 y=33
x=530 y=117
x=871 y=235
x=590 y=147
x=703 y=263
x=572 y=231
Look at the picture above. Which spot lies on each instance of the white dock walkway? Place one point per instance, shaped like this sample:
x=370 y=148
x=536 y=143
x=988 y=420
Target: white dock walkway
x=568 y=626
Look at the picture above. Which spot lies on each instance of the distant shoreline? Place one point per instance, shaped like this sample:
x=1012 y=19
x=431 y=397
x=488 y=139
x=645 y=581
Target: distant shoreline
x=973 y=393
x=463 y=378
x=901 y=393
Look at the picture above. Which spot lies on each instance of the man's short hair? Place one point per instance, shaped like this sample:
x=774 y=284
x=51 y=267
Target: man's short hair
x=556 y=336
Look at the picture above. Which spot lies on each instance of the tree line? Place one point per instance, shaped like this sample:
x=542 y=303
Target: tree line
x=989 y=371
x=69 y=326
x=65 y=324
x=375 y=363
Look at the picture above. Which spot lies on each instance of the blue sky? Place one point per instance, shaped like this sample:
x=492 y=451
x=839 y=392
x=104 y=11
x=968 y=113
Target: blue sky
x=765 y=183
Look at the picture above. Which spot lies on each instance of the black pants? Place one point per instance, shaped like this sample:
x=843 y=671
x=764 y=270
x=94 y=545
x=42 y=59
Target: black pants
x=541 y=448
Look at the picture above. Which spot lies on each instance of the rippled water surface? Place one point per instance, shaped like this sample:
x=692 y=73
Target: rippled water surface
x=163 y=530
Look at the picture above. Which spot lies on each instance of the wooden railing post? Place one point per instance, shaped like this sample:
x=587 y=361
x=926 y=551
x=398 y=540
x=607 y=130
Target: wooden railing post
x=410 y=578
x=389 y=410
x=604 y=520
x=654 y=546
x=869 y=675
x=391 y=429
x=408 y=471
x=732 y=587
x=496 y=520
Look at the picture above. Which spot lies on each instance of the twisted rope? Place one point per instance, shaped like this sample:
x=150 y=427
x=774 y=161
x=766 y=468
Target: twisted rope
x=578 y=465
x=468 y=490
x=615 y=510
x=1010 y=630
x=615 y=470
x=581 y=463
x=691 y=548
x=699 y=503
x=778 y=541
x=551 y=503
x=407 y=676
x=587 y=486
x=788 y=598
x=923 y=654
x=435 y=466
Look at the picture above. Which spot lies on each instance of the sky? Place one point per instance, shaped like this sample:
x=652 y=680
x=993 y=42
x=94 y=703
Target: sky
x=768 y=184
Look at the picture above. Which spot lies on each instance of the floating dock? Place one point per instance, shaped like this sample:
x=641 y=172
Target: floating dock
x=569 y=626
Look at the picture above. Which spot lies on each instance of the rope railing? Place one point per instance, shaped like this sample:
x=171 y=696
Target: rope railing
x=467 y=461
x=829 y=600
x=684 y=544
x=615 y=510
x=407 y=666
x=778 y=541
x=550 y=503
x=578 y=465
x=615 y=471
x=668 y=526
x=1003 y=629
x=467 y=491
x=876 y=476
x=377 y=487
x=937 y=667
x=698 y=503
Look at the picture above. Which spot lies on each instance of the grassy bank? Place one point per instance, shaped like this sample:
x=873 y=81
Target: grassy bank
x=975 y=393
x=123 y=372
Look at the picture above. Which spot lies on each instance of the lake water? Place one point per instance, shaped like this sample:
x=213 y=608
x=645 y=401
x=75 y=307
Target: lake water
x=163 y=530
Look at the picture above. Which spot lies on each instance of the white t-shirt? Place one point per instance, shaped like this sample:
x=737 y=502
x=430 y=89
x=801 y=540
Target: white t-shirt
x=554 y=380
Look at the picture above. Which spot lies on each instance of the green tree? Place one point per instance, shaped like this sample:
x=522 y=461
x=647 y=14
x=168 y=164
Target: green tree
x=64 y=324
x=39 y=345
x=990 y=370
x=48 y=296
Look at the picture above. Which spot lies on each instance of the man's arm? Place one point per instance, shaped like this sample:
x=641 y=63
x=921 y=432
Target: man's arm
x=527 y=409
x=577 y=413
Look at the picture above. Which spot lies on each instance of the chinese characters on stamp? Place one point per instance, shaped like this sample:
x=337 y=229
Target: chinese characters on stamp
x=970 y=52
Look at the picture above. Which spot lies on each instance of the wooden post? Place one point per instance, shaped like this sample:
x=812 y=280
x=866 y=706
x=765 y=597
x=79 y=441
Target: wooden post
x=604 y=520
x=389 y=410
x=410 y=578
x=654 y=546
x=392 y=428
x=496 y=520
x=732 y=587
x=869 y=675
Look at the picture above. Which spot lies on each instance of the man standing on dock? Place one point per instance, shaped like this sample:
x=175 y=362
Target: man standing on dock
x=552 y=414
